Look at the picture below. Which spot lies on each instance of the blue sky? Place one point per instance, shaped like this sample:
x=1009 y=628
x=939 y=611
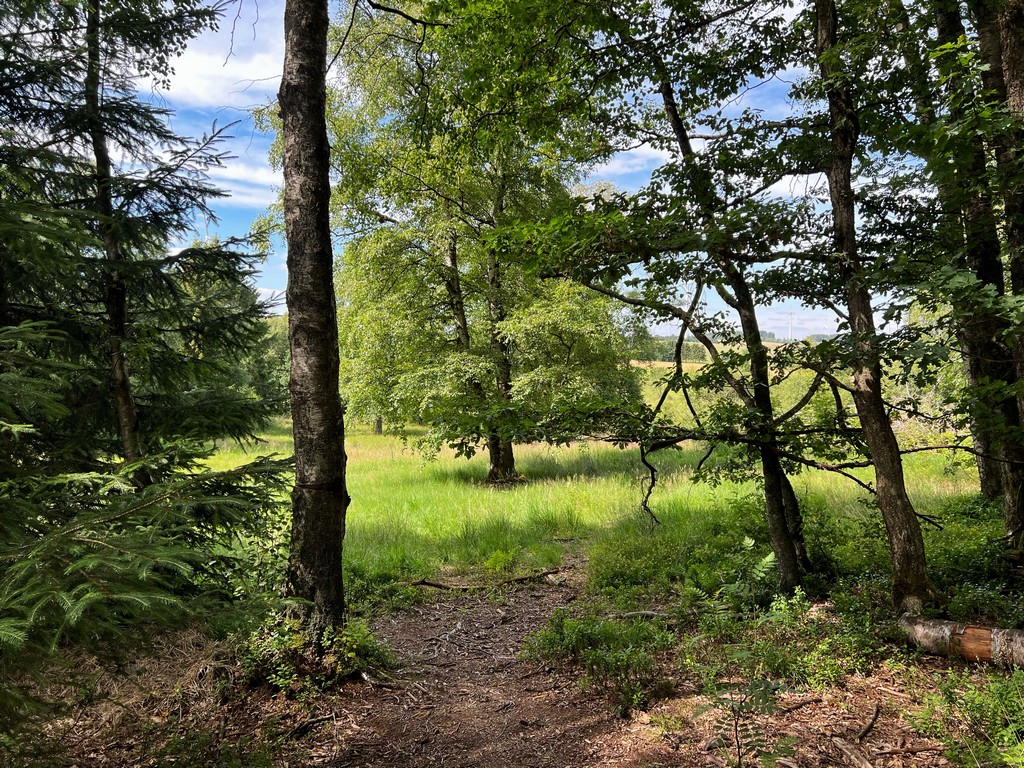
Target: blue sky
x=225 y=74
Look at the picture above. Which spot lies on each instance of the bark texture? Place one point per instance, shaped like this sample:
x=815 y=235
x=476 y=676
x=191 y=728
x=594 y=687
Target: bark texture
x=1004 y=647
x=911 y=586
x=319 y=497
x=994 y=362
x=1011 y=29
x=502 y=462
x=499 y=448
x=785 y=523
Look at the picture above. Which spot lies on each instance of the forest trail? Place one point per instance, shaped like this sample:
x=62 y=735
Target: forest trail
x=464 y=696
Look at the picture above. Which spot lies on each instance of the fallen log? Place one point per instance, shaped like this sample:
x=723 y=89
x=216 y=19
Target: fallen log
x=1004 y=647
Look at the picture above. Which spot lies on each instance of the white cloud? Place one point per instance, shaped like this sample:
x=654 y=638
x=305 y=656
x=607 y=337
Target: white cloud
x=643 y=159
x=238 y=66
x=243 y=172
x=814 y=186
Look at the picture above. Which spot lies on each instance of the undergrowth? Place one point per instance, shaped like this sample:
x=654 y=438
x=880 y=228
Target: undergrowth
x=617 y=656
x=980 y=717
x=281 y=654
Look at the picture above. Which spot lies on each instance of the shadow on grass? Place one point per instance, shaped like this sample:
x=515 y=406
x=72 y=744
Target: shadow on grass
x=580 y=460
x=385 y=551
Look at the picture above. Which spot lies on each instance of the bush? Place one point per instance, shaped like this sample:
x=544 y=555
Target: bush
x=618 y=656
x=982 y=718
x=283 y=656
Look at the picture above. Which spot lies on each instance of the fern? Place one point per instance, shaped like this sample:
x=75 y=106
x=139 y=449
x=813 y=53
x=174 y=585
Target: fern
x=101 y=560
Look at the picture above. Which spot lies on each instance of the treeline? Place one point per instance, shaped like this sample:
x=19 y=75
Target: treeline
x=662 y=349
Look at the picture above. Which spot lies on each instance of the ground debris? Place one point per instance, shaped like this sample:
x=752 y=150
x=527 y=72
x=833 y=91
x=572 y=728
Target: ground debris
x=464 y=697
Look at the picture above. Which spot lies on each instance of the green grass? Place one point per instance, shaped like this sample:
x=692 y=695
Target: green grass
x=411 y=518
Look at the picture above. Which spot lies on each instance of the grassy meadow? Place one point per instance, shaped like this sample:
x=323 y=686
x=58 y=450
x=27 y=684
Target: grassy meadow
x=416 y=518
x=685 y=608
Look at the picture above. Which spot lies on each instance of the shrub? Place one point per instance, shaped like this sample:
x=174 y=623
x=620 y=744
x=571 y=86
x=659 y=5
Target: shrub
x=282 y=655
x=982 y=718
x=618 y=656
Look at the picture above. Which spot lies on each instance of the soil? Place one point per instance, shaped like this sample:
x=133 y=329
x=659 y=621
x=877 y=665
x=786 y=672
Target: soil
x=463 y=696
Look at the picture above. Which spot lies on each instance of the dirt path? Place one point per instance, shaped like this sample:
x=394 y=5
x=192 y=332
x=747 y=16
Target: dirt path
x=468 y=699
x=464 y=697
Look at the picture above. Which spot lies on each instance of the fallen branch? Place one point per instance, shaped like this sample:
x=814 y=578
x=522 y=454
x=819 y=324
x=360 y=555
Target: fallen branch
x=529 y=577
x=871 y=724
x=439 y=585
x=906 y=751
x=639 y=615
x=801 y=704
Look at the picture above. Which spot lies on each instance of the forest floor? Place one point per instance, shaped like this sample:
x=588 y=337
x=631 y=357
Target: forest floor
x=462 y=696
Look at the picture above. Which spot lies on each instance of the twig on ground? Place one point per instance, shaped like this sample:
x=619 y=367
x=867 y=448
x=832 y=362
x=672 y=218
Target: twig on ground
x=529 y=577
x=871 y=724
x=797 y=705
x=538 y=671
x=906 y=751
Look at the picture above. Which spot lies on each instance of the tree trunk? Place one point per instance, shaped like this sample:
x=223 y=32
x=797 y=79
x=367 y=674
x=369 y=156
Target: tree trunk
x=502 y=461
x=1000 y=27
x=319 y=497
x=499 y=447
x=911 y=585
x=456 y=301
x=795 y=523
x=1011 y=29
x=378 y=426
x=783 y=518
x=984 y=333
x=990 y=471
x=964 y=641
x=116 y=292
x=502 y=466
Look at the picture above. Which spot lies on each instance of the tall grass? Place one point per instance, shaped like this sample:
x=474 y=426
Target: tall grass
x=412 y=518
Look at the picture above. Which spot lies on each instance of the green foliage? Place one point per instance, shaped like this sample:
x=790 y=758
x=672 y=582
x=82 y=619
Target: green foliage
x=738 y=706
x=203 y=749
x=97 y=552
x=280 y=653
x=442 y=324
x=104 y=562
x=619 y=657
x=981 y=717
x=713 y=556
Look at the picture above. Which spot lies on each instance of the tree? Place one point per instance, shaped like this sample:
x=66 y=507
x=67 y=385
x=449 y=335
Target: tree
x=319 y=497
x=911 y=585
x=700 y=220
x=664 y=74
x=440 y=312
x=108 y=517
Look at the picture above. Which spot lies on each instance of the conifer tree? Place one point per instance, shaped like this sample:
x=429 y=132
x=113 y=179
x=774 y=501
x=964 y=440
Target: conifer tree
x=118 y=352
